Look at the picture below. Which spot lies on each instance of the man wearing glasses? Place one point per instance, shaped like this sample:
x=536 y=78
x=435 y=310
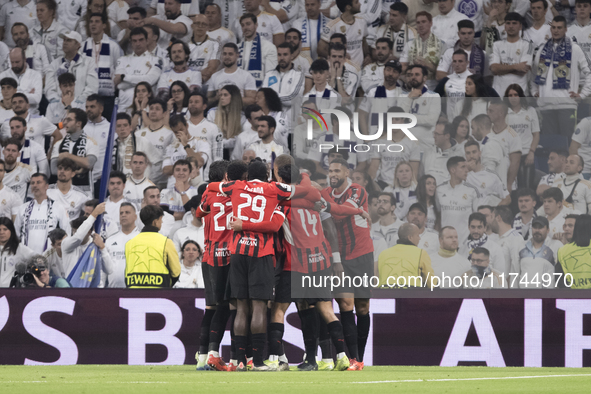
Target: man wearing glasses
x=481 y=275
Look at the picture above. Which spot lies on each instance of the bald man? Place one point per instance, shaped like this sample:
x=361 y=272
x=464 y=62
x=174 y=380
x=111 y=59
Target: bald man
x=205 y=51
x=401 y=265
x=30 y=82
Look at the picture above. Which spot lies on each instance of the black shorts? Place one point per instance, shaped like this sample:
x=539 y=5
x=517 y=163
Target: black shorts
x=358 y=272
x=312 y=287
x=216 y=283
x=283 y=287
x=251 y=277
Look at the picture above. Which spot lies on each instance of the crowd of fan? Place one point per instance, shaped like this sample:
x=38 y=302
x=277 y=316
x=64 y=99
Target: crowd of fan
x=498 y=89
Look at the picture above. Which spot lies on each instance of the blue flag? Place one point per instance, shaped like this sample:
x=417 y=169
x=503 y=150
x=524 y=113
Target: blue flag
x=87 y=272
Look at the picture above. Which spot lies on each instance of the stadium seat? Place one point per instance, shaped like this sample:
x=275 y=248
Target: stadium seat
x=548 y=142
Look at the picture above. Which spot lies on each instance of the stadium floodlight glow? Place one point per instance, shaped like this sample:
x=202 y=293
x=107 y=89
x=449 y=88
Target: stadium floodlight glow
x=345 y=124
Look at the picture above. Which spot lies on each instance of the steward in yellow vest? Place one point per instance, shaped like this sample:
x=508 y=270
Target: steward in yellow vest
x=575 y=258
x=405 y=264
x=151 y=258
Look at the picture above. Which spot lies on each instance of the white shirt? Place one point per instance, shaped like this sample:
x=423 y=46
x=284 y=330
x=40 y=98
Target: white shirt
x=10 y=202
x=145 y=67
x=435 y=161
x=265 y=151
x=11 y=13
x=524 y=123
x=268 y=57
x=456 y=204
x=38 y=127
x=222 y=35
x=18 y=179
x=141 y=145
x=398 y=38
x=355 y=34
x=429 y=241
x=189 y=232
x=191 y=277
x=497 y=255
x=538 y=36
x=389 y=160
x=38 y=223
x=70 y=11
x=288 y=85
x=99 y=132
x=240 y=78
x=166 y=38
x=505 y=52
x=134 y=191
x=581 y=196
x=160 y=138
x=243 y=140
x=35 y=155
x=191 y=78
x=455 y=91
x=426 y=108
x=30 y=83
x=582 y=135
x=172 y=199
x=445 y=27
x=115 y=251
x=372 y=75
x=73 y=200
x=176 y=152
x=210 y=132
x=389 y=233
x=494 y=157
x=268 y=25
x=489 y=185
x=450 y=267
x=512 y=242
x=580 y=35
x=92 y=149
x=9 y=261
x=231 y=10
x=204 y=52
x=333 y=100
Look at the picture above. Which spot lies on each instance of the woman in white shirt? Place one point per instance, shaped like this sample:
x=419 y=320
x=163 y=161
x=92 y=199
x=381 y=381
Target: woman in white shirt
x=178 y=98
x=426 y=189
x=191 y=272
x=461 y=130
x=405 y=184
x=142 y=94
x=524 y=120
x=477 y=97
x=12 y=251
x=228 y=116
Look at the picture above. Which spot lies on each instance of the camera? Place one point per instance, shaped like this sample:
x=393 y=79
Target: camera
x=23 y=275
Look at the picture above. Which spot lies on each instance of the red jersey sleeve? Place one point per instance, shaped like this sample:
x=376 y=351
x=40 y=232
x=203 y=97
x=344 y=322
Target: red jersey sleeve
x=284 y=192
x=266 y=227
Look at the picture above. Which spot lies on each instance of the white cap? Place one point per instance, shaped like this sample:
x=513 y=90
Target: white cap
x=72 y=35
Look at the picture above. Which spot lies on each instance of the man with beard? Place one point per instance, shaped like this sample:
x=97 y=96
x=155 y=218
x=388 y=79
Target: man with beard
x=231 y=74
x=476 y=57
x=396 y=31
x=356 y=252
x=79 y=147
x=267 y=148
x=137 y=181
x=113 y=203
x=301 y=62
x=509 y=239
x=373 y=74
x=482 y=268
x=538 y=257
x=388 y=225
x=249 y=133
x=353 y=26
x=139 y=67
x=255 y=54
x=127 y=144
x=423 y=103
x=311 y=26
x=205 y=51
x=566 y=236
x=479 y=239
x=35 y=53
x=38 y=217
x=97 y=128
x=9 y=87
x=203 y=129
x=176 y=25
x=37 y=127
x=417 y=215
x=83 y=68
x=32 y=153
x=285 y=79
x=10 y=200
x=64 y=192
x=30 y=82
x=179 y=53
x=446 y=261
x=526 y=203
x=344 y=75
x=270 y=27
x=17 y=175
x=488 y=183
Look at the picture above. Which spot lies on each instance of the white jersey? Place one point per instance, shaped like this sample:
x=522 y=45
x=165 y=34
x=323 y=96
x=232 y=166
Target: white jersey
x=166 y=38
x=268 y=26
x=210 y=132
x=134 y=191
x=240 y=78
x=38 y=127
x=325 y=99
x=538 y=36
x=355 y=34
x=311 y=30
x=222 y=36
x=508 y=53
x=581 y=35
x=33 y=155
x=191 y=78
x=489 y=185
x=512 y=242
x=455 y=91
x=450 y=267
x=582 y=135
x=176 y=151
x=581 y=197
x=372 y=75
x=268 y=152
x=524 y=123
x=456 y=204
x=160 y=138
x=203 y=52
x=288 y=85
x=405 y=197
x=435 y=161
x=10 y=202
x=11 y=13
x=399 y=38
x=474 y=10
x=429 y=241
x=445 y=27
x=99 y=132
x=70 y=11
x=18 y=179
x=115 y=250
x=538 y=262
x=172 y=199
x=73 y=200
x=188 y=7
x=494 y=157
x=136 y=69
x=113 y=210
x=189 y=232
x=231 y=10
x=509 y=140
x=426 y=108
x=389 y=158
x=8 y=262
x=243 y=140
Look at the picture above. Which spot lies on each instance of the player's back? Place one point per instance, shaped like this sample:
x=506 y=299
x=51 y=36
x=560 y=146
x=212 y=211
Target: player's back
x=309 y=250
x=217 y=228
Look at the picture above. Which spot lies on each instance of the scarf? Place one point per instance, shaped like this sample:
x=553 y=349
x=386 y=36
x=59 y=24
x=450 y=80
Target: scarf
x=476 y=243
x=430 y=50
x=26 y=158
x=51 y=224
x=77 y=148
x=481 y=272
x=492 y=36
x=561 y=62
x=129 y=151
x=476 y=58
x=255 y=61
x=326 y=94
x=103 y=65
x=66 y=65
x=519 y=226
x=402 y=38
x=307 y=33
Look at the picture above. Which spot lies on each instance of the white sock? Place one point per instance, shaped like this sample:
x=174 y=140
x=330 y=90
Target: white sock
x=234 y=362
x=213 y=353
x=283 y=359
x=340 y=355
x=273 y=357
x=329 y=360
x=202 y=358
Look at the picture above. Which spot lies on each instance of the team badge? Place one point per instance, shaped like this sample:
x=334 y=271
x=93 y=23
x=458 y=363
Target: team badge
x=483 y=185
x=16 y=178
x=264 y=25
x=204 y=131
x=205 y=50
x=373 y=68
x=518 y=52
x=3 y=202
x=72 y=204
x=143 y=134
x=343 y=29
x=148 y=64
x=465 y=196
x=161 y=139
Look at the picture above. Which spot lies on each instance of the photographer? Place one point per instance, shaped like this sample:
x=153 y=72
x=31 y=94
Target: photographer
x=38 y=267
x=11 y=251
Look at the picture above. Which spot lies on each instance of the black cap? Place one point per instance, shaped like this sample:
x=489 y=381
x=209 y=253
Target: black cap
x=540 y=220
x=395 y=64
x=419 y=206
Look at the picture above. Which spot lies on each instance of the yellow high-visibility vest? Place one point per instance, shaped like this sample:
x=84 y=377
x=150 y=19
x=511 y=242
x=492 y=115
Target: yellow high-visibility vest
x=576 y=260
x=146 y=261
